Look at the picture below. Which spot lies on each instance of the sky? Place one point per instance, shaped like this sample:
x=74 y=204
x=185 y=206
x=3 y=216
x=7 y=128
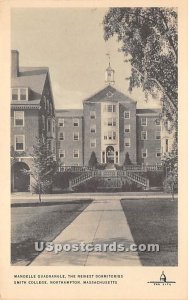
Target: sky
x=70 y=42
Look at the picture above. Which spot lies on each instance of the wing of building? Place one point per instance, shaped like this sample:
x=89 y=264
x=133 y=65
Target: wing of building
x=32 y=116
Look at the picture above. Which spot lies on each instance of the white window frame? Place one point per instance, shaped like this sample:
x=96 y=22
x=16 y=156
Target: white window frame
x=105 y=136
x=144 y=123
x=127 y=112
x=129 y=129
x=112 y=121
x=144 y=132
x=144 y=151
x=92 y=114
x=61 y=132
x=61 y=152
x=77 y=133
x=157 y=152
x=61 y=121
x=19 y=93
x=157 y=135
x=93 y=141
x=93 y=127
x=129 y=140
x=76 y=121
x=23 y=142
x=74 y=153
x=23 y=118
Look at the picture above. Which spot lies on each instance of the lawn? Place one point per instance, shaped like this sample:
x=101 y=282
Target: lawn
x=154 y=222
x=32 y=222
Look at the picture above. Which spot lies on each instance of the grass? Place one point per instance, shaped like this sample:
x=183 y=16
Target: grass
x=154 y=222
x=39 y=222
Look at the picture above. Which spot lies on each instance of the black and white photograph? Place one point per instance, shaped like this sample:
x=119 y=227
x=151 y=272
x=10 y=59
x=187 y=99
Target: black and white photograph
x=94 y=136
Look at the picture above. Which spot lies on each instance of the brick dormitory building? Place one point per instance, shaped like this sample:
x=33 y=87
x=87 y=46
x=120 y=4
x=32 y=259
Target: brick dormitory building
x=110 y=124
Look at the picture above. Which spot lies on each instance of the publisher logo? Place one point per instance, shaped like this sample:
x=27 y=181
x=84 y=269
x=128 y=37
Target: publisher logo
x=162 y=281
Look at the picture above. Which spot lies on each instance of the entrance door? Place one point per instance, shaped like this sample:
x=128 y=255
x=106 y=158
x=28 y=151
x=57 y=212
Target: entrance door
x=110 y=155
x=21 y=180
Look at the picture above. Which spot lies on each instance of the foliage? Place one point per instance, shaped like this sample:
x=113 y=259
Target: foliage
x=148 y=39
x=43 y=168
x=170 y=183
x=127 y=161
x=93 y=160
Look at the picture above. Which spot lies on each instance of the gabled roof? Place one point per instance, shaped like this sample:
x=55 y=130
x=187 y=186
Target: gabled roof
x=33 y=78
x=109 y=94
x=69 y=113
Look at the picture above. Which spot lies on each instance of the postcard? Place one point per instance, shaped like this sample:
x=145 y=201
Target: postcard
x=94 y=150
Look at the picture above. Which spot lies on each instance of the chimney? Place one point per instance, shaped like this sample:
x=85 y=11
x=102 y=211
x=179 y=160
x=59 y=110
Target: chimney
x=15 y=63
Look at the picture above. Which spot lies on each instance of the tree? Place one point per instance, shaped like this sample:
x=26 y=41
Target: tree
x=127 y=161
x=43 y=168
x=93 y=160
x=149 y=41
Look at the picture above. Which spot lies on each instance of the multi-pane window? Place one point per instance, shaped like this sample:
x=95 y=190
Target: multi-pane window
x=105 y=136
x=144 y=153
x=157 y=135
x=111 y=135
x=19 y=142
x=75 y=153
x=61 y=153
x=75 y=122
x=14 y=94
x=92 y=143
x=109 y=108
x=127 y=128
x=127 y=142
x=92 y=114
x=143 y=135
x=61 y=136
x=93 y=129
x=61 y=122
x=157 y=122
x=20 y=94
x=23 y=94
x=19 y=118
x=144 y=121
x=158 y=152
x=76 y=136
x=126 y=114
x=111 y=122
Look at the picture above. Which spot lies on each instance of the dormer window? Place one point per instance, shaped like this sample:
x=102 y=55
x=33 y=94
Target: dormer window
x=23 y=94
x=20 y=94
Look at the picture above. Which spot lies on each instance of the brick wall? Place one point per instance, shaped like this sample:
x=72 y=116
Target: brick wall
x=30 y=129
x=88 y=122
x=151 y=144
x=127 y=106
x=68 y=144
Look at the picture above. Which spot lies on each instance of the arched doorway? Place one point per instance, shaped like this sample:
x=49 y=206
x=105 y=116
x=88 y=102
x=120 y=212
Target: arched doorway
x=20 y=179
x=110 y=155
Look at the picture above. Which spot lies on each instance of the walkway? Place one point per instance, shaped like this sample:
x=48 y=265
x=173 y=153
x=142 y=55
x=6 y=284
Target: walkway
x=103 y=221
